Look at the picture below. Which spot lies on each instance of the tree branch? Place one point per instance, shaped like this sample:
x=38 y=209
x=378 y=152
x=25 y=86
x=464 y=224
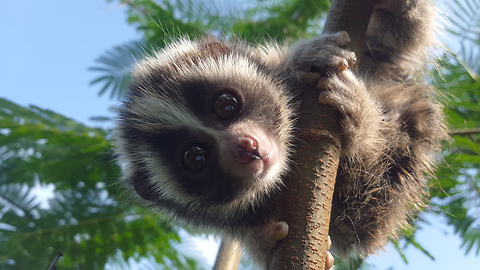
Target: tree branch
x=308 y=195
x=229 y=254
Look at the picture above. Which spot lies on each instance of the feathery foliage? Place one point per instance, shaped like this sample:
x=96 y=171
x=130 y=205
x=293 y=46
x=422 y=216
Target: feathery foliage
x=83 y=220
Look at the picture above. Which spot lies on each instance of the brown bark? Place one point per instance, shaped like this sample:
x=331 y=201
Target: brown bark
x=351 y=16
x=308 y=195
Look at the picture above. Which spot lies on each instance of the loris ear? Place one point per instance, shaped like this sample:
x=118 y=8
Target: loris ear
x=214 y=48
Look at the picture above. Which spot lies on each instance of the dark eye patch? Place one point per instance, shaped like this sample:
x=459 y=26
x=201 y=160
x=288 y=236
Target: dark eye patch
x=214 y=105
x=191 y=159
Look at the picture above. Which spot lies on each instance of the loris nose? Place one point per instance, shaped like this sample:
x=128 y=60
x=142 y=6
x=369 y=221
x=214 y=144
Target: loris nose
x=247 y=150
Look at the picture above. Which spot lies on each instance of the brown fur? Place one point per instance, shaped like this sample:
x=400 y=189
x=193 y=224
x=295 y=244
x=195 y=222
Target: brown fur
x=392 y=127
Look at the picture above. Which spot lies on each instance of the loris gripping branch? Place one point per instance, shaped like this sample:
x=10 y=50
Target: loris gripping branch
x=206 y=131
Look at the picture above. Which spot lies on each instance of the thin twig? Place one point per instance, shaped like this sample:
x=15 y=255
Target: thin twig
x=53 y=266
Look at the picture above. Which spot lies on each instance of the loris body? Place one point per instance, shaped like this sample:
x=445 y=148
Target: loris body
x=206 y=132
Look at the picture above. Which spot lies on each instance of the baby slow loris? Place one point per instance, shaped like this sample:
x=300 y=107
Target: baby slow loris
x=206 y=131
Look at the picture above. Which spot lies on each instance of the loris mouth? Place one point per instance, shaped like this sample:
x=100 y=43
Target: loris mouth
x=248 y=153
x=255 y=156
x=248 y=150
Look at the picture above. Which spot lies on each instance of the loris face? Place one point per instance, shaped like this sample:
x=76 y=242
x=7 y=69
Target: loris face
x=203 y=134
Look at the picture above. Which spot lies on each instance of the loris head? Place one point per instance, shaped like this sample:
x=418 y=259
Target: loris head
x=204 y=132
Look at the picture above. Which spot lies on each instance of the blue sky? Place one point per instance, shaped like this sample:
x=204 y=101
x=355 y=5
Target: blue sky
x=46 y=48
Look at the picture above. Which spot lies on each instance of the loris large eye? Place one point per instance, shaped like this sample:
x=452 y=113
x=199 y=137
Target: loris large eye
x=195 y=158
x=226 y=106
